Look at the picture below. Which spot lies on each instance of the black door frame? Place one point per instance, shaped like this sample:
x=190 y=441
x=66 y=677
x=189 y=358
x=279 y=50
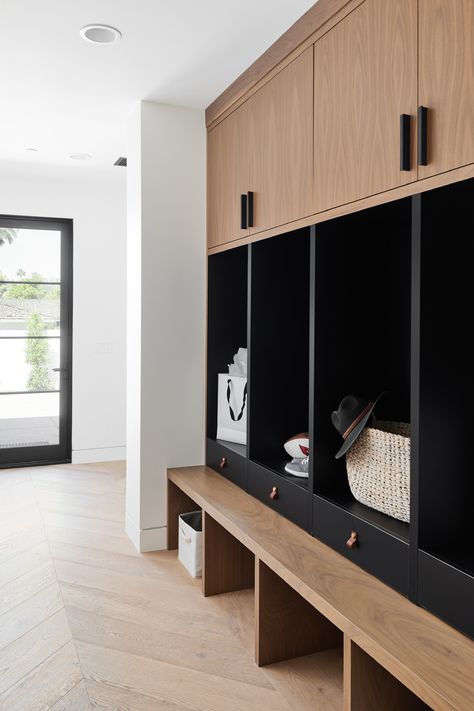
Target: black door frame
x=60 y=453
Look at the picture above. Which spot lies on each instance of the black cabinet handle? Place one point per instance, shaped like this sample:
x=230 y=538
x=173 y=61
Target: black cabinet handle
x=422 y=135
x=243 y=212
x=405 y=148
x=250 y=208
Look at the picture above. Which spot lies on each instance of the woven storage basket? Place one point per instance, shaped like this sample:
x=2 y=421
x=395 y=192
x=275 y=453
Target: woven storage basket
x=378 y=468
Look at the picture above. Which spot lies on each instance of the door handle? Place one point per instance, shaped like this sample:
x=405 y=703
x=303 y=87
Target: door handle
x=243 y=212
x=250 y=208
x=422 y=135
x=405 y=147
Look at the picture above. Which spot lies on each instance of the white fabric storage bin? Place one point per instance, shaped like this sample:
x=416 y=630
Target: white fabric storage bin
x=190 y=542
x=232 y=408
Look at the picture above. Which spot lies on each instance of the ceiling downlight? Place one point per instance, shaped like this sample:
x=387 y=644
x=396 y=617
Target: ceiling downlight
x=100 y=34
x=80 y=156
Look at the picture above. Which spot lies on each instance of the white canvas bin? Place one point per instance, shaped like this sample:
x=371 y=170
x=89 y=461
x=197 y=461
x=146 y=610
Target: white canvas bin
x=232 y=408
x=190 y=542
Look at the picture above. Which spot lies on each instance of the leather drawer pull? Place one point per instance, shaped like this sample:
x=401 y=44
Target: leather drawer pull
x=223 y=462
x=353 y=540
x=274 y=493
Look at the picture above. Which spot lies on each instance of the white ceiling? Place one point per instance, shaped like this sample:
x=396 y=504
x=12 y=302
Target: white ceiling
x=61 y=94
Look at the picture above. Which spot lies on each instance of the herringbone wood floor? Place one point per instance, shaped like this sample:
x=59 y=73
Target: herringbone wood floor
x=86 y=622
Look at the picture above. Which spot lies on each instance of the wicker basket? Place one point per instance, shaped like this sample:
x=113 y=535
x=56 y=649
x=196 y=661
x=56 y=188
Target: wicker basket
x=378 y=468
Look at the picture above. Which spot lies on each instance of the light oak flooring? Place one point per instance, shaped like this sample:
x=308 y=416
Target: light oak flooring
x=86 y=622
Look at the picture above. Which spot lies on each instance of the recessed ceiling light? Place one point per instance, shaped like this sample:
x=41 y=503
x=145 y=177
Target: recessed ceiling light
x=80 y=156
x=100 y=34
x=32 y=150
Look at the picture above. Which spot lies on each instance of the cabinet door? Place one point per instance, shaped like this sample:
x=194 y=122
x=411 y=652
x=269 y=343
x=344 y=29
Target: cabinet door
x=227 y=177
x=365 y=77
x=281 y=146
x=446 y=82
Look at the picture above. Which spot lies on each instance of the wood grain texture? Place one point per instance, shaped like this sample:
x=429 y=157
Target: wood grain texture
x=312 y=682
x=178 y=503
x=425 y=654
x=287 y=626
x=75 y=700
x=227 y=564
x=227 y=176
x=365 y=76
x=453 y=176
x=46 y=684
x=166 y=683
x=281 y=146
x=446 y=82
x=310 y=22
x=148 y=639
x=369 y=687
x=23 y=655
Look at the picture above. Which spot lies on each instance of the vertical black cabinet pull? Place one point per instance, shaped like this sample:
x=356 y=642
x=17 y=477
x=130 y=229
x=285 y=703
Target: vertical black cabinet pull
x=422 y=135
x=243 y=212
x=250 y=208
x=405 y=148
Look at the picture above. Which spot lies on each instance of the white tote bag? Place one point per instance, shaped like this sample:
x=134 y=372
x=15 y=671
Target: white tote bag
x=232 y=408
x=190 y=542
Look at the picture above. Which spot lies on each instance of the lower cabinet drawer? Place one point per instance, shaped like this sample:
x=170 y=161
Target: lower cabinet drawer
x=447 y=592
x=227 y=461
x=291 y=501
x=376 y=551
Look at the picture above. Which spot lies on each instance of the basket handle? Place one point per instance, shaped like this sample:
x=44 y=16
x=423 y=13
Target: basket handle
x=187 y=539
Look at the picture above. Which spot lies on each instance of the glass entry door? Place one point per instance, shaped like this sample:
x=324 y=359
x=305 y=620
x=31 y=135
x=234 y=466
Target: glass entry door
x=35 y=340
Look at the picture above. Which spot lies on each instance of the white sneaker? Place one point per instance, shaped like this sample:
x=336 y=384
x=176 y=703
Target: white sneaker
x=298 y=466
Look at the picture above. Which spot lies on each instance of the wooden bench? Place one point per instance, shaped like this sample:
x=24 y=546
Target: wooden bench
x=309 y=598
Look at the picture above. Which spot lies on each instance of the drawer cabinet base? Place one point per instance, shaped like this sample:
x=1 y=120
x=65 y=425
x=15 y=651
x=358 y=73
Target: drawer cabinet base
x=377 y=551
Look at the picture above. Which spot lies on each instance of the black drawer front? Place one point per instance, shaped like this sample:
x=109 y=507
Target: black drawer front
x=376 y=551
x=292 y=501
x=234 y=465
x=447 y=592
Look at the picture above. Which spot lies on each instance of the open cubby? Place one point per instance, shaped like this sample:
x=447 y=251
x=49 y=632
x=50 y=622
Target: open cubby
x=362 y=335
x=227 y=332
x=279 y=348
x=446 y=389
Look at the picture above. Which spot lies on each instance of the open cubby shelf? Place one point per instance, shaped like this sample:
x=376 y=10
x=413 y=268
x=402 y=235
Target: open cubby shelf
x=279 y=348
x=377 y=301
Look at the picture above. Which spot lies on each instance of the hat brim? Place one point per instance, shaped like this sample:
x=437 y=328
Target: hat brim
x=347 y=444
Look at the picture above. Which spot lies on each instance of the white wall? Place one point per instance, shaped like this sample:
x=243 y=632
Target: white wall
x=97 y=204
x=166 y=308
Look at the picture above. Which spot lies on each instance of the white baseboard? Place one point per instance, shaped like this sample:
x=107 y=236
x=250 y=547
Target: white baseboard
x=101 y=454
x=147 y=539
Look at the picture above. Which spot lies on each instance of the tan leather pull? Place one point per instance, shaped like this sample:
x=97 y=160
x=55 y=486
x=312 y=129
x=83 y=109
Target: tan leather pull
x=352 y=542
x=223 y=462
x=274 y=493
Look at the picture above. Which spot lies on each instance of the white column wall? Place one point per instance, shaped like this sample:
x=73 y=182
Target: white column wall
x=166 y=308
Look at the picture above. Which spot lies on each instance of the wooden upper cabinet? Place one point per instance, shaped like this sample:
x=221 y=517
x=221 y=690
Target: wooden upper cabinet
x=281 y=146
x=365 y=77
x=227 y=177
x=446 y=82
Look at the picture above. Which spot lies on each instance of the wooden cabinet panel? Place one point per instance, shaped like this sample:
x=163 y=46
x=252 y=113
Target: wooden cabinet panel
x=227 y=177
x=446 y=82
x=365 y=77
x=281 y=146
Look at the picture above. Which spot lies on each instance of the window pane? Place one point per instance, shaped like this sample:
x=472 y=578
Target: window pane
x=30 y=254
x=29 y=420
x=29 y=310
x=27 y=364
